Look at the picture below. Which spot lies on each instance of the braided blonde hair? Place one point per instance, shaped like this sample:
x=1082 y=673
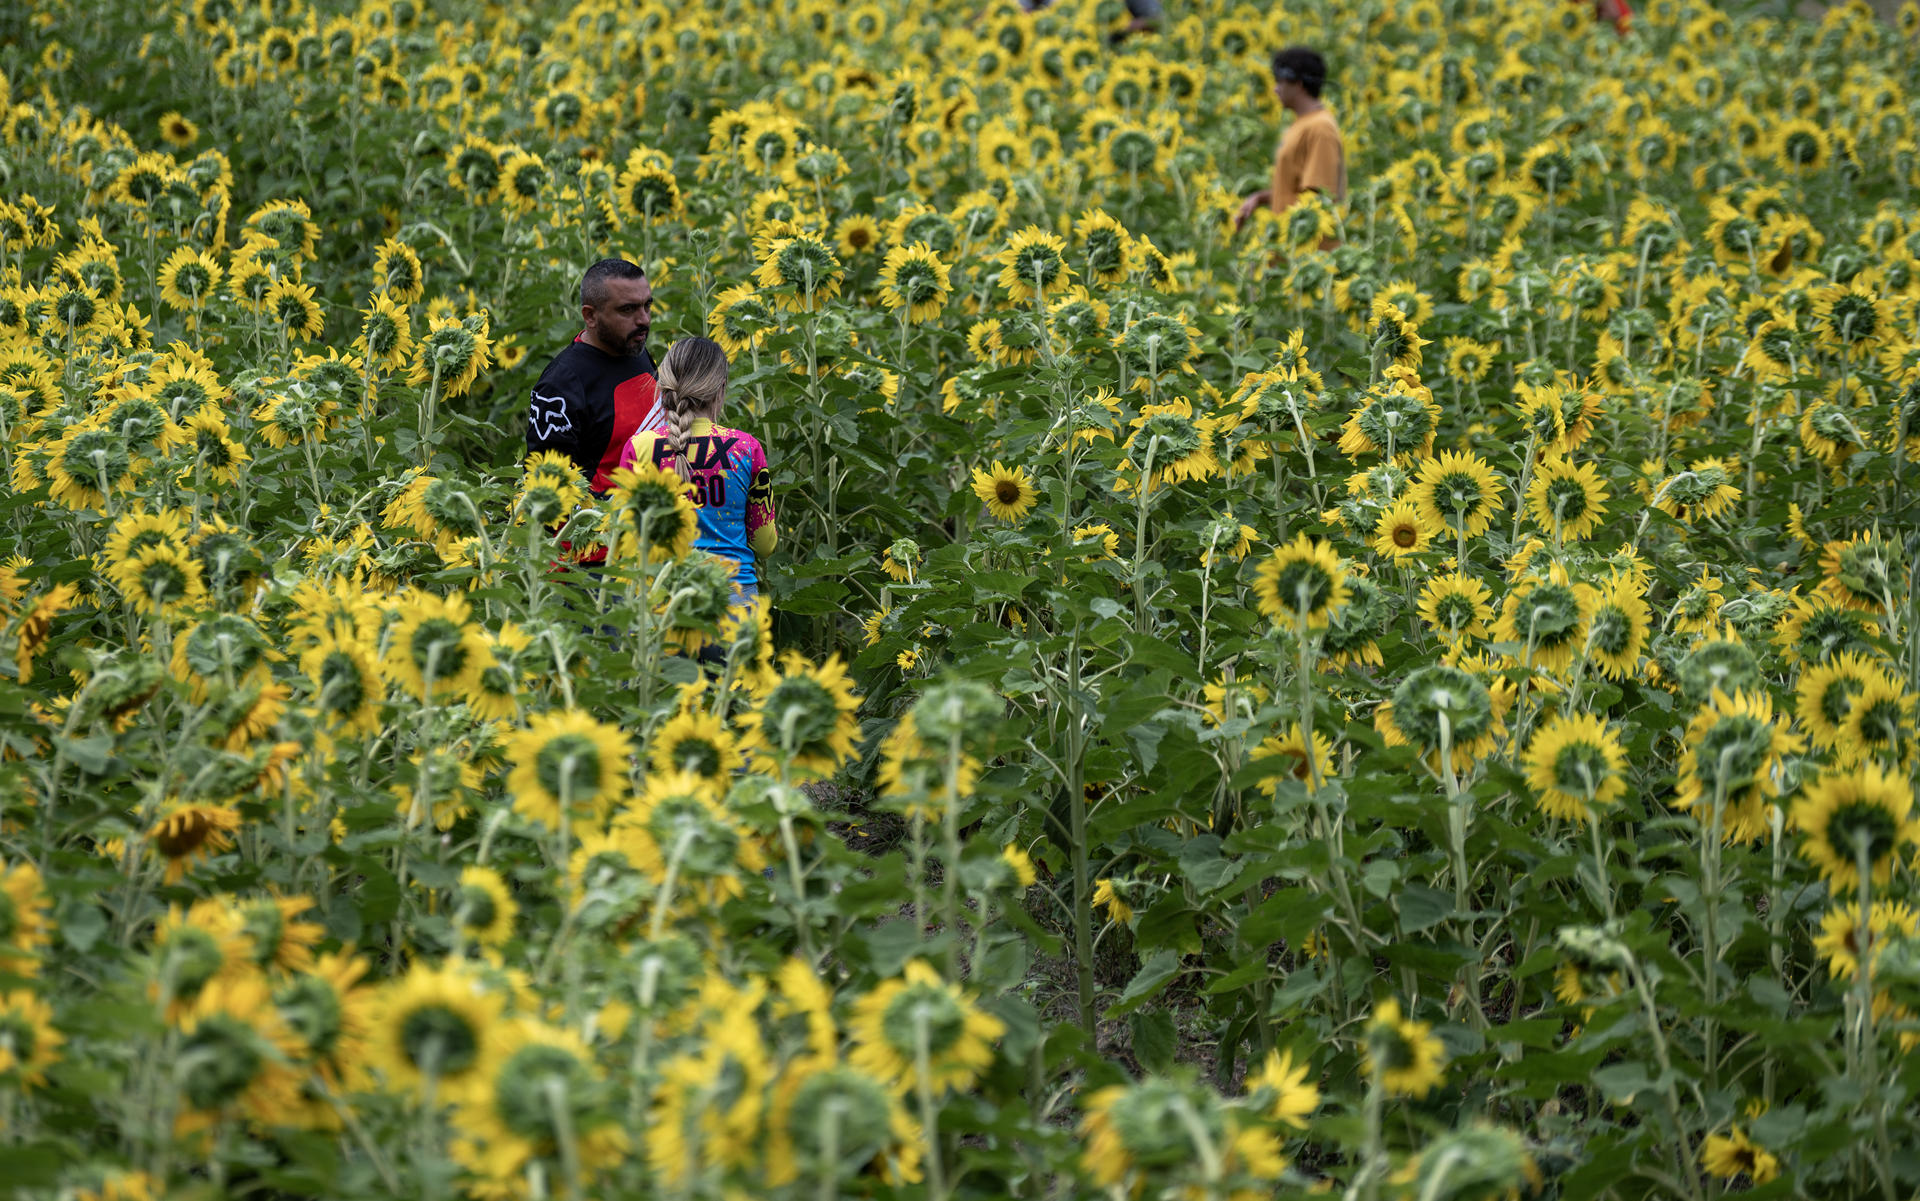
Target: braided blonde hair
x=693 y=384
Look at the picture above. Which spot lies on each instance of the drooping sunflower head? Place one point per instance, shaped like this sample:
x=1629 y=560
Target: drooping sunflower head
x=1146 y=1127
x=482 y=907
x=807 y=717
x=1567 y=498
x=1456 y=606
x=454 y=353
x=1861 y=572
x=435 y=651
x=1719 y=661
x=24 y=924
x=550 y=489
x=1438 y=705
x=568 y=766
x=1302 y=585
x=697 y=742
x=1817 y=628
x=436 y=1027
x=1825 y=695
x=1034 y=263
x=193 y=947
x=1105 y=247
x=832 y=1122
x=1855 y=819
x=1392 y=335
x=1171 y=443
x=740 y=318
x=29 y=1043
x=917 y=1010
x=648 y=193
x=915 y=278
x=693 y=597
x=1576 y=766
x=1879 y=725
x=801 y=272
x=1406 y=1056
x=1731 y=762
x=541 y=1092
x=1457 y=491
x=396 y=272
x=653 y=513
x=236 y=1054
x=1703 y=491
x=1852 y=317
x=1155 y=344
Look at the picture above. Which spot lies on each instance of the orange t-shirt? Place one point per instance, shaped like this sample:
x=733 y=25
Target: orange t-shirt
x=1309 y=157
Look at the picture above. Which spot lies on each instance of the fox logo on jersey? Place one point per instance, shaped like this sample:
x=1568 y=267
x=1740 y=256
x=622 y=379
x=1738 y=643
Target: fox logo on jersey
x=548 y=416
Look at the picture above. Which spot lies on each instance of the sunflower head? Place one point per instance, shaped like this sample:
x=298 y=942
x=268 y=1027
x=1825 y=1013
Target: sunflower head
x=1576 y=766
x=653 y=511
x=807 y=716
x=1008 y=492
x=1854 y=820
x=1034 y=263
x=437 y=1027
x=838 y=1121
x=1726 y=663
x=1403 y=1053
x=1438 y=704
x=1302 y=585
x=693 y=597
x=568 y=766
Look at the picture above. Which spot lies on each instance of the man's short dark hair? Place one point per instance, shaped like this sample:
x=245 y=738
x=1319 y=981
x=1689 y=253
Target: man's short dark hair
x=1302 y=65
x=593 y=285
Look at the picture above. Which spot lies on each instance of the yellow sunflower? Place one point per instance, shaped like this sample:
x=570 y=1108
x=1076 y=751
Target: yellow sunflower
x=1401 y=530
x=29 y=1044
x=1854 y=818
x=915 y=279
x=1576 y=766
x=435 y=652
x=698 y=742
x=1403 y=1053
x=568 y=764
x=919 y=1018
x=482 y=907
x=436 y=1028
x=24 y=922
x=1008 y=492
x=806 y=718
x=1302 y=584
x=1458 y=492
x=1732 y=758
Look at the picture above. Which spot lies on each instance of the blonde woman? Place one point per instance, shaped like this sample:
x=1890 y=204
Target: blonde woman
x=726 y=467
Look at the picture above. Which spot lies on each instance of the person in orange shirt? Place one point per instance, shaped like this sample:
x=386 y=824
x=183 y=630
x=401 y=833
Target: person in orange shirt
x=1310 y=157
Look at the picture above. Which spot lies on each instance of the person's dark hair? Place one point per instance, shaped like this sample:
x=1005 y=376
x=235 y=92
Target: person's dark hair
x=593 y=285
x=1303 y=66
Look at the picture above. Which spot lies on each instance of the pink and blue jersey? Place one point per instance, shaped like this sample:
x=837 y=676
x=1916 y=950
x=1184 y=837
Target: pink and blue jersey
x=730 y=484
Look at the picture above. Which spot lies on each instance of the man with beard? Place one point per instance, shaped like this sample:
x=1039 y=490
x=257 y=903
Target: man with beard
x=601 y=390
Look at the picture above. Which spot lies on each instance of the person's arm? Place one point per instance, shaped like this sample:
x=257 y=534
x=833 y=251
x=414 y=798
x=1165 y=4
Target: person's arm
x=762 y=535
x=1258 y=200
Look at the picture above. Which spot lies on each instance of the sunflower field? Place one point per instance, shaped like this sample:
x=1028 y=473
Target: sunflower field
x=1411 y=698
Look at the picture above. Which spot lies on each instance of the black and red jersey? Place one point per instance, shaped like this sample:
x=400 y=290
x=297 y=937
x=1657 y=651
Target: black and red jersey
x=587 y=405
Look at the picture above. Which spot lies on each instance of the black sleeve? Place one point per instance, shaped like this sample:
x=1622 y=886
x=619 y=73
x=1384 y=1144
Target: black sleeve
x=557 y=413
